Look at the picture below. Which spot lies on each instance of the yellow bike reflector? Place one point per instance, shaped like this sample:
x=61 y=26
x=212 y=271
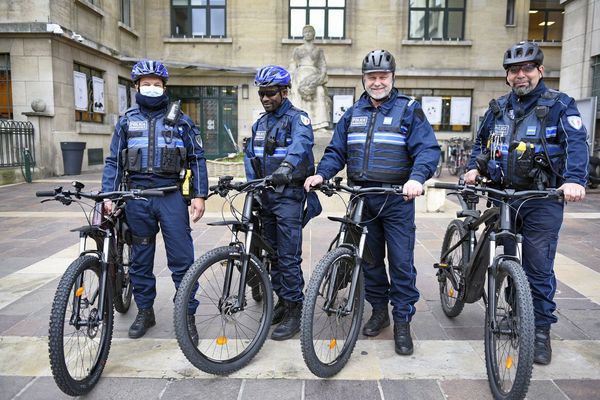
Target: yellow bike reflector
x=221 y=340
x=451 y=292
x=79 y=292
x=332 y=343
x=509 y=362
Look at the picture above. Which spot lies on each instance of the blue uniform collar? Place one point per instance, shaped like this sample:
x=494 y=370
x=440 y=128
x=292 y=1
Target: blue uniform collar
x=365 y=101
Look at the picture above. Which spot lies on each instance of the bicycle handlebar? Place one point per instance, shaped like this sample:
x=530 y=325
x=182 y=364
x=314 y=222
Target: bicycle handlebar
x=329 y=188
x=101 y=196
x=225 y=185
x=505 y=194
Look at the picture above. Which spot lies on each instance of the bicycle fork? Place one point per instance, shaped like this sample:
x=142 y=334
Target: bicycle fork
x=494 y=263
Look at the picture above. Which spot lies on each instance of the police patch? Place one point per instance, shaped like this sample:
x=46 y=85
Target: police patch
x=531 y=130
x=260 y=135
x=137 y=125
x=359 y=121
x=575 y=121
x=305 y=120
x=501 y=130
x=198 y=139
x=387 y=121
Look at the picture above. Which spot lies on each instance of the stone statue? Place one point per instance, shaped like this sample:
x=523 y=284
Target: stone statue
x=309 y=76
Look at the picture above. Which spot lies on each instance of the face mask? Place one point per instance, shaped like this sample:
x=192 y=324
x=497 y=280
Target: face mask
x=151 y=91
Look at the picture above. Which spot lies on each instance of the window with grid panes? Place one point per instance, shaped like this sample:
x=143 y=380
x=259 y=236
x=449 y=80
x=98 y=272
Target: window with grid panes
x=6 y=110
x=198 y=18
x=89 y=115
x=328 y=17
x=436 y=19
x=545 y=20
x=126 y=12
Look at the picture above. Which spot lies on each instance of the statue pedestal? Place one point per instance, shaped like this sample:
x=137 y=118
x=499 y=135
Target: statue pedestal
x=322 y=139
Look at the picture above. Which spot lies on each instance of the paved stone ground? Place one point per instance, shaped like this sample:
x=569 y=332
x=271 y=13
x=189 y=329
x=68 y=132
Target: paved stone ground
x=448 y=362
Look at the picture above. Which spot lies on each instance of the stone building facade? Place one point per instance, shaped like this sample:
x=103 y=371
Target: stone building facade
x=449 y=50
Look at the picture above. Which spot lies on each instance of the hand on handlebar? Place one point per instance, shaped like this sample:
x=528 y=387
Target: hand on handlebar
x=412 y=189
x=312 y=181
x=572 y=192
x=471 y=176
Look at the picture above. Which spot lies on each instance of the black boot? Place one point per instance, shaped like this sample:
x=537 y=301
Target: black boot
x=402 y=339
x=143 y=321
x=542 y=351
x=191 y=325
x=290 y=325
x=278 y=312
x=379 y=320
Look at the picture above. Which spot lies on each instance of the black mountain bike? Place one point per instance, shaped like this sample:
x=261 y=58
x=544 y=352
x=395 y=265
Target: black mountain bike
x=334 y=303
x=81 y=321
x=466 y=258
x=233 y=288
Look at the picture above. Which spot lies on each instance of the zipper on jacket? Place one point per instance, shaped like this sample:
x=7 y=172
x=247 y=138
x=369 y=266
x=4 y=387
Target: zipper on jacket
x=363 y=173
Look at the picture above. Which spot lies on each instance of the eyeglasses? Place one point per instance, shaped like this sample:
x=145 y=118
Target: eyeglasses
x=268 y=93
x=526 y=68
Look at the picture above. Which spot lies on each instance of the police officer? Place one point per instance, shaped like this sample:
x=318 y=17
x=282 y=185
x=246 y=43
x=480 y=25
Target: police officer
x=152 y=146
x=533 y=138
x=385 y=139
x=281 y=146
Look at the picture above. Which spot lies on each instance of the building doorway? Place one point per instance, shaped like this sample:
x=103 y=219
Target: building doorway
x=214 y=111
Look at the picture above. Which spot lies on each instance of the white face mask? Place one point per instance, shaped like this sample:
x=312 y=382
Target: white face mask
x=151 y=91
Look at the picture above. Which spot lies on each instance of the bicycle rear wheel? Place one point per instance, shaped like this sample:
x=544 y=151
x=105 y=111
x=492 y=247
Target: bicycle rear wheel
x=123 y=287
x=509 y=334
x=78 y=343
x=456 y=262
x=328 y=332
x=228 y=338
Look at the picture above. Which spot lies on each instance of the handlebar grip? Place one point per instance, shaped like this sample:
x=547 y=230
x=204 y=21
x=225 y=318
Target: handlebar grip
x=445 y=185
x=45 y=193
x=152 y=193
x=213 y=188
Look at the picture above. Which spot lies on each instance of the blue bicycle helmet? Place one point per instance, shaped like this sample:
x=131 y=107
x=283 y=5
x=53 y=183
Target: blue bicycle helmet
x=272 y=75
x=149 y=67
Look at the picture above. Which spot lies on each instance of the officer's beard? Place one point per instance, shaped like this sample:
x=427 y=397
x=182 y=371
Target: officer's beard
x=523 y=90
x=380 y=95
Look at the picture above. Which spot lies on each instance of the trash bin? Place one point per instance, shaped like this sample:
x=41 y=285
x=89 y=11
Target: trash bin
x=72 y=153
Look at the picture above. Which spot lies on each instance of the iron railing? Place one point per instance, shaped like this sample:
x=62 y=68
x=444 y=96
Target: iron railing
x=15 y=137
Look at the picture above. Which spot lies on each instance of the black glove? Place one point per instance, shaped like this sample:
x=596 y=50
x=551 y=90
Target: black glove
x=282 y=175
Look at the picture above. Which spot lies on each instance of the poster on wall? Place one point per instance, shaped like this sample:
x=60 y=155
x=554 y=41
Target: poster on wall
x=341 y=102
x=432 y=107
x=98 y=94
x=460 y=111
x=81 y=93
x=122 y=95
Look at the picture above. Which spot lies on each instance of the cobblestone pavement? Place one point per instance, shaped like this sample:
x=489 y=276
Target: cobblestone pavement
x=448 y=362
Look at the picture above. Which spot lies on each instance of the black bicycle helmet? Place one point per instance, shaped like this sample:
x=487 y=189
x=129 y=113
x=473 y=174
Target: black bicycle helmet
x=379 y=61
x=523 y=52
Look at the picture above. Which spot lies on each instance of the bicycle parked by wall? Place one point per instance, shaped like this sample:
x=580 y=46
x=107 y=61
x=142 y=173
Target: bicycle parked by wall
x=465 y=260
x=233 y=288
x=81 y=320
x=458 y=153
x=334 y=300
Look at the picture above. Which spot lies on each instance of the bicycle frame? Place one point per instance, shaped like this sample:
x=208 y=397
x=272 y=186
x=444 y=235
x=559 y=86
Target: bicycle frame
x=247 y=226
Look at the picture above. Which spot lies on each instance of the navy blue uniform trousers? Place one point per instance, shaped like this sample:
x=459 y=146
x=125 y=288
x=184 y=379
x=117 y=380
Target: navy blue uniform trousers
x=539 y=222
x=145 y=219
x=391 y=220
x=282 y=215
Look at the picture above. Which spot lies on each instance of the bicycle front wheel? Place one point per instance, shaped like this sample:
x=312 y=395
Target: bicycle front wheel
x=229 y=337
x=509 y=334
x=328 y=329
x=451 y=276
x=79 y=337
x=123 y=287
